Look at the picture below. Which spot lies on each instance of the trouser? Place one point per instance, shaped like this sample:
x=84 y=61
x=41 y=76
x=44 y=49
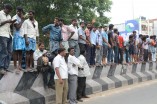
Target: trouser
x=120 y=56
x=153 y=56
x=75 y=45
x=105 y=51
x=61 y=91
x=82 y=47
x=5 y=52
x=88 y=54
x=72 y=82
x=48 y=81
x=110 y=55
x=54 y=46
x=145 y=55
x=81 y=87
x=116 y=55
x=99 y=55
x=92 y=55
x=127 y=56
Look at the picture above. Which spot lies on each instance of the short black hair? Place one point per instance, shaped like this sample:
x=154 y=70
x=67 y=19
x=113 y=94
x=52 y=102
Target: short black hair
x=73 y=20
x=82 y=22
x=61 y=50
x=111 y=26
x=115 y=30
x=134 y=32
x=8 y=6
x=31 y=11
x=82 y=52
x=69 y=49
x=131 y=36
x=56 y=18
x=40 y=43
x=19 y=8
x=118 y=33
x=140 y=35
x=61 y=19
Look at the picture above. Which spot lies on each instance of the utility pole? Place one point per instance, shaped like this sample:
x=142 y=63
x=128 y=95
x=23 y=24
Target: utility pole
x=133 y=15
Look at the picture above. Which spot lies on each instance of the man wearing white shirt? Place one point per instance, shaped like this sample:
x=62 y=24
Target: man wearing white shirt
x=73 y=64
x=39 y=52
x=5 y=38
x=73 y=41
x=61 y=77
x=31 y=31
x=99 y=48
x=82 y=74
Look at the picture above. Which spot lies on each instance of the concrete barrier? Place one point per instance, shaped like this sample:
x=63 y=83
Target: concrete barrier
x=27 y=88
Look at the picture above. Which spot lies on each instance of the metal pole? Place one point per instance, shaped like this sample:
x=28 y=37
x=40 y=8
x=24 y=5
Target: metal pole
x=133 y=9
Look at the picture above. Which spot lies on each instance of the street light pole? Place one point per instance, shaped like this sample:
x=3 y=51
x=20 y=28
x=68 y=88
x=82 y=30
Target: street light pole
x=133 y=9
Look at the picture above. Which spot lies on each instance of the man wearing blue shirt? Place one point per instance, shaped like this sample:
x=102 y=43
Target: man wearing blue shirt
x=101 y=40
x=82 y=37
x=99 y=48
x=105 y=46
x=93 y=39
x=55 y=35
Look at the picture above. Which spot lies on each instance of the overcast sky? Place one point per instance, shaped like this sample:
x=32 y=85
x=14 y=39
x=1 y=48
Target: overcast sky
x=123 y=10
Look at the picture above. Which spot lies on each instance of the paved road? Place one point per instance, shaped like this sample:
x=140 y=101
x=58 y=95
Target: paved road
x=144 y=93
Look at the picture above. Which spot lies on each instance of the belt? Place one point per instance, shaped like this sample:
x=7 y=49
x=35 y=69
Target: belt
x=74 y=39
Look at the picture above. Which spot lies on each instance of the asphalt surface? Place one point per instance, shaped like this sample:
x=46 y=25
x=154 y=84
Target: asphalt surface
x=144 y=93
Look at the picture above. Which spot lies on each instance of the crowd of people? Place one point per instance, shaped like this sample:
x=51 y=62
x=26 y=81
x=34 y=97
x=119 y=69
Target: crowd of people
x=73 y=50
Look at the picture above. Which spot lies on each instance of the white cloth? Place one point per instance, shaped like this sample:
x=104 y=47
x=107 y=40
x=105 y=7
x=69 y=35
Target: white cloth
x=73 y=64
x=86 y=70
x=59 y=62
x=17 y=22
x=38 y=54
x=75 y=29
x=145 y=45
x=29 y=29
x=5 y=29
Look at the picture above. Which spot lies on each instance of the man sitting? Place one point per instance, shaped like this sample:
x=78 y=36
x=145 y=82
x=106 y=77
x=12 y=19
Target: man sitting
x=40 y=55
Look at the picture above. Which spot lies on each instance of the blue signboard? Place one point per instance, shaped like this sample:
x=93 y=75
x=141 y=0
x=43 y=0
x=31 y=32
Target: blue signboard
x=132 y=25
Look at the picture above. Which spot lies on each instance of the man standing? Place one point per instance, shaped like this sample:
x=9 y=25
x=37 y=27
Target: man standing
x=88 y=45
x=136 y=50
x=55 y=35
x=99 y=48
x=115 y=46
x=110 y=39
x=31 y=32
x=93 y=39
x=65 y=34
x=73 y=41
x=106 y=45
x=82 y=74
x=18 y=40
x=121 y=48
x=73 y=64
x=5 y=38
x=61 y=77
x=82 y=37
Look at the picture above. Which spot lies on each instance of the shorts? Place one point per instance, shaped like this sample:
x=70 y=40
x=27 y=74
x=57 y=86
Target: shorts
x=132 y=50
x=32 y=45
x=54 y=46
x=105 y=50
x=18 y=42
